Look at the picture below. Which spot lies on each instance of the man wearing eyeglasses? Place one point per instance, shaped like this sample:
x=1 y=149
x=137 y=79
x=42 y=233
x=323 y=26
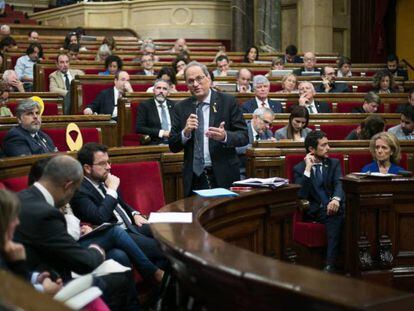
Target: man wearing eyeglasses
x=328 y=84
x=208 y=126
x=258 y=129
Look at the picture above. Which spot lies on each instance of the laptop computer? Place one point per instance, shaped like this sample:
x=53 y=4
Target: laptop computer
x=281 y=73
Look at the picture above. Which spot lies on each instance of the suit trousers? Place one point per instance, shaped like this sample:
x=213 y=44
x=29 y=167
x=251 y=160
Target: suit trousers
x=116 y=237
x=144 y=239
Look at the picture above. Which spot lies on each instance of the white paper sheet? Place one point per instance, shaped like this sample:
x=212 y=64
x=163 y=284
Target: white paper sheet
x=170 y=218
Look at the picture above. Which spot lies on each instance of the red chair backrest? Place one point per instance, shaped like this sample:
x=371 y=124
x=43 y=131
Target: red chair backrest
x=134 y=109
x=337 y=131
x=346 y=107
x=356 y=161
x=59 y=136
x=51 y=109
x=15 y=184
x=141 y=185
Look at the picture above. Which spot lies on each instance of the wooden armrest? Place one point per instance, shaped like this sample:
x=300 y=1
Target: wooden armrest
x=303 y=205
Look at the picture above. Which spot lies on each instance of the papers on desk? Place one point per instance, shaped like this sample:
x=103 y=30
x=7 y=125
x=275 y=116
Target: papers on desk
x=375 y=175
x=272 y=183
x=170 y=218
x=216 y=192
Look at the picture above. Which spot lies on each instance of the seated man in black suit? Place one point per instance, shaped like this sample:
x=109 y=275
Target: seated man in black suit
x=261 y=86
x=306 y=94
x=243 y=81
x=44 y=234
x=154 y=115
x=371 y=104
x=258 y=129
x=98 y=201
x=291 y=55
x=309 y=64
x=107 y=101
x=320 y=178
x=328 y=84
x=147 y=62
x=27 y=138
x=410 y=102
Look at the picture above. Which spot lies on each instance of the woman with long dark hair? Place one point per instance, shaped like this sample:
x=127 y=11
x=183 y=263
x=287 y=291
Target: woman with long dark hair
x=297 y=128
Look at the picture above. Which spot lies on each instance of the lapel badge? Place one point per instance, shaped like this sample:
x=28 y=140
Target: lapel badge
x=215 y=108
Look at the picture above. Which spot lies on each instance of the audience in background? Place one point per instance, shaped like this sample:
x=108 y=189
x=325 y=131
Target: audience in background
x=393 y=67
x=383 y=82
x=371 y=104
x=223 y=65
x=297 y=128
x=372 y=125
x=405 y=130
x=166 y=74
x=110 y=42
x=251 y=55
x=33 y=36
x=180 y=45
x=291 y=55
x=344 y=67
x=306 y=94
x=113 y=64
x=73 y=51
x=12 y=81
x=309 y=62
x=261 y=86
x=410 y=101
x=243 y=81
x=289 y=84
x=24 y=65
x=179 y=65
x=328 y=84
x=147 y=63
x=4 y=97
x=386 y=153
x=4 y=30
x=103 y=53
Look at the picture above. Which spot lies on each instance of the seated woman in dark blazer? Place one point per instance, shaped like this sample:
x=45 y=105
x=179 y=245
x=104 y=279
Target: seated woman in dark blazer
x=297 y=128
x=385 y=150
x=383 y=82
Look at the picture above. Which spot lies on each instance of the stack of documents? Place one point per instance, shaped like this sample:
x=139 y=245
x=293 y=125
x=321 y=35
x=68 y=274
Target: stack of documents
x=272 y=183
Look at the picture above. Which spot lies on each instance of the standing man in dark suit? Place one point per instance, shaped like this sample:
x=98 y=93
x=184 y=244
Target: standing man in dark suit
x=208 y=126
x=43 y=232
x=328 y=84
x=27 y=138
x=107 y=101
x=261 y=86
x=154 y=115
x=258 y=129
x=98 y=201
x=319 y=177
x=306 y=94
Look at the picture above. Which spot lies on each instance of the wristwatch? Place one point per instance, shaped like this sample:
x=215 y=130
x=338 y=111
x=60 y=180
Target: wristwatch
x=337 y=199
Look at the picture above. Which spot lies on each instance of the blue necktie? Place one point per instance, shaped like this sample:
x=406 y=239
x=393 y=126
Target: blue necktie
x=198 y=161
x=320 y=185
x=164 y=119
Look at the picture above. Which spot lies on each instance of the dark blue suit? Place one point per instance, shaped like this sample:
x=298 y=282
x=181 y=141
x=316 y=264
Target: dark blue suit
x=89 y=206
x=336 y=88
x=251 y=105
x=311 y=191
x=18 y=142
x=225 y=163
x=104 y=102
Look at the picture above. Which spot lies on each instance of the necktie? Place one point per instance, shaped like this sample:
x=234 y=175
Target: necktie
x=41 y=143
x=318 y=174
x=311 y=109
x=164 y=119
x=263 y=104
x=257 y=136
x=320 y=189
x=67 y=83
x=198 y=161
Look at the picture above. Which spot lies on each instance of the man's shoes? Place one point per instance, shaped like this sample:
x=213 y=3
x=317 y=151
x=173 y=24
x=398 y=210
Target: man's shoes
x=329 y=268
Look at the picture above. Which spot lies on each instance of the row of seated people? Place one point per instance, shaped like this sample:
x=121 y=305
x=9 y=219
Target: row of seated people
x=54 y=239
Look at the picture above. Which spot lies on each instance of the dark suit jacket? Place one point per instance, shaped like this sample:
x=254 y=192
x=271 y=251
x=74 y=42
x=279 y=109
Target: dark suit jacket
x=321 y=107
x=251 y=105
x=337 y=88
x=89 y=206
x=297 y=59
x=142 y=73
x=148 y=120
x=332 y=184
x=358 y=110
x=103 y=103
x=19 y=142
x=223 y=107
x=43 y=232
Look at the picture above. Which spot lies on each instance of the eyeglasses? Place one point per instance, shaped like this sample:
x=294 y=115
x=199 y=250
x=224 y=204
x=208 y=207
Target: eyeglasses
x=198 y=79
x=102 y=164
x=265 y=121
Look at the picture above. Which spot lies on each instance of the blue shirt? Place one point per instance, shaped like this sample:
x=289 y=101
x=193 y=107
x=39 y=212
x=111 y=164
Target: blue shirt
x=24 y=67
x=374 y=168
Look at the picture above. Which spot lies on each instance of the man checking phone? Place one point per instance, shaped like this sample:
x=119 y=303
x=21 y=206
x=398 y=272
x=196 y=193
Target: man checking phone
x=208 y=126
x=319 y=177
x=328 y=84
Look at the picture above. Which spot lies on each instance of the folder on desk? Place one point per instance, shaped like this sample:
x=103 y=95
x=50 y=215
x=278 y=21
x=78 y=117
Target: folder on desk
x=216 y=192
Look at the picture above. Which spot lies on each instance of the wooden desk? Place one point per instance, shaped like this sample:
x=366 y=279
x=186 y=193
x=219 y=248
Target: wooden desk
x=380 y=230
x=218 y=259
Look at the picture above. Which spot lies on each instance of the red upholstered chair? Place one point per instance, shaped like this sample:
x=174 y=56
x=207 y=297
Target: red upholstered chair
x=346 y=107
x=337 y=132
x=51 y=109
x=2 y=135
x=59 y=136
x=364 y=88
x=132 y=138
x=15 y=184
x=141 y=185
x=91 y=90
x=2 y=186
x=275 y=87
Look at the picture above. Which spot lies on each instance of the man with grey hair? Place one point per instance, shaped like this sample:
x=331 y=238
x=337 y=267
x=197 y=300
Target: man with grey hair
x=154 y=115
x=258 y=129
x=13 y=83
x=309 y=64
x=306 y=94
x=371 y=103
x=208 y=126
x=261 y=86
x=147 y=63
x=27 y=138
x=4 y=31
